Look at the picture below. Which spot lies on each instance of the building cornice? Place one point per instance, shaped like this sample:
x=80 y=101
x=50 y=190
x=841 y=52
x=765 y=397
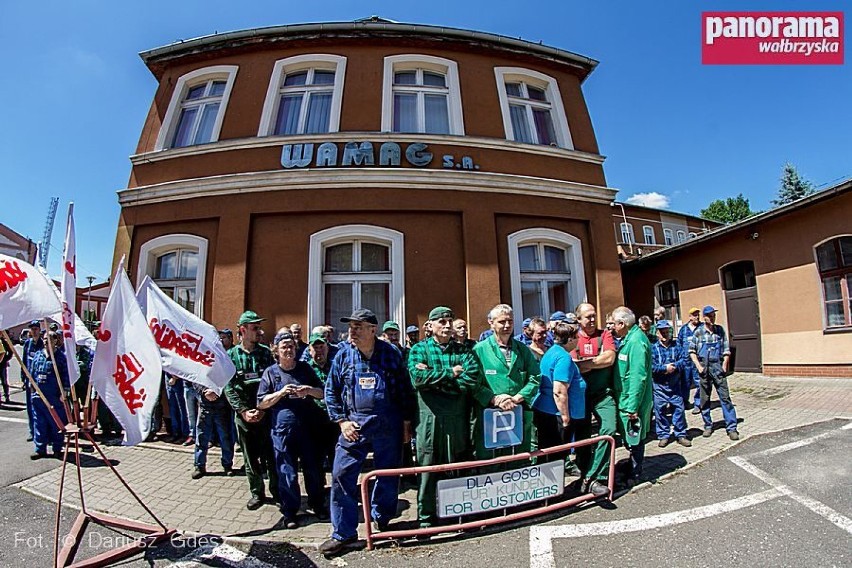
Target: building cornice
x=358 y=179
x=479 y=143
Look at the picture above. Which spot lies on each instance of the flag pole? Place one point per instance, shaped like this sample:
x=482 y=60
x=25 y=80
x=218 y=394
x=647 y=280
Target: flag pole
x=59 y=423
x=62 y=396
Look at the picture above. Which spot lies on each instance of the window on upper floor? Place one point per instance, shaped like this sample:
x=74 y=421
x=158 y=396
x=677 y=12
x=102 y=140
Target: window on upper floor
x=627 y=233
x=681 y=236
x=304 y=96
x=197 y=108
x=834 y=262
x=421 y=95
x=693 y=236
x=648 y=232
x=532 y=108
x=668 y=237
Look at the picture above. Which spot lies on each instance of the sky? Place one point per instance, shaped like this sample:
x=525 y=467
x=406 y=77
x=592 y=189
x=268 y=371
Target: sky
x=75 y=95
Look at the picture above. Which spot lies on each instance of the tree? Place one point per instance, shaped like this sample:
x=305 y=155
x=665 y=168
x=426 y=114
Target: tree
x=793 y=186
x=728 y=210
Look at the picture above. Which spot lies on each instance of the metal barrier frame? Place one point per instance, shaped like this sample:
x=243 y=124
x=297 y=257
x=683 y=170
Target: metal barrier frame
x=481 y=523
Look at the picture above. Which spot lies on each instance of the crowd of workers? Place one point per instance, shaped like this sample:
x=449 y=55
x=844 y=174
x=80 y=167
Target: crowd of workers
x=318 y=405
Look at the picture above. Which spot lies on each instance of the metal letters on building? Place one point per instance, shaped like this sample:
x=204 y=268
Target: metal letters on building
x=363 y=154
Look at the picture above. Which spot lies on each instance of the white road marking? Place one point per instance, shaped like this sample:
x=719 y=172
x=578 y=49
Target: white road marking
x=18 y=420
x=222 y=552
x=820 y=509
x=800 y=443
x=541 y=538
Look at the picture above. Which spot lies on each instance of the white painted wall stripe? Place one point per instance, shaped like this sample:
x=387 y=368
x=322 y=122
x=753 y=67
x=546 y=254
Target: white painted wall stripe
x=541 y=538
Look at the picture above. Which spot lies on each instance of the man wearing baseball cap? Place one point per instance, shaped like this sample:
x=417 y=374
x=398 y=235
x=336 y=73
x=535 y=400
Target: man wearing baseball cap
x=368 y=394
x=444 y=373
x=32 y=345
x=690 y=373
x=251 y=358
x=390 y=334
x=667 y=363
x=710 y=352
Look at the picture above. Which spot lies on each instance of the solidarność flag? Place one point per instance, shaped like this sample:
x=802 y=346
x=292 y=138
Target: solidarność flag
x=25 y=293
x=69 y=296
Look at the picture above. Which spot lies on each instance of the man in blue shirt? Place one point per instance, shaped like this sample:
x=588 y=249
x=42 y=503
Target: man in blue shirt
x=45 y=431
x=690 y=373
x=710 y=352
x=369 y=394
x=32 y=345
x=667 y=364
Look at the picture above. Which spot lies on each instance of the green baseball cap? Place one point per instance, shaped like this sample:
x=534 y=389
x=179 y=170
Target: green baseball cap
x=440 y=312
x=315 y=337
x=249 y=317
x=390 y=325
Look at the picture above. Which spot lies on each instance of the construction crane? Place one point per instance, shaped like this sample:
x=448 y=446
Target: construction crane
x=44 y=245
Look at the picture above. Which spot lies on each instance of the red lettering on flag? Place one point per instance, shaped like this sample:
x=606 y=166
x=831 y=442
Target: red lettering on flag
x=11 y=275
x=186 y=345
x=127 y=370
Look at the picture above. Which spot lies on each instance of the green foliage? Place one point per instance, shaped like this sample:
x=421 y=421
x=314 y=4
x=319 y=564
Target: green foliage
x=792 y=187
x=728 y=210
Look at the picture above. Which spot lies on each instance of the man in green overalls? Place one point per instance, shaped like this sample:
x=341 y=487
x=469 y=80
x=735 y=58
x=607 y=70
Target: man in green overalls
x=253 y=430
x=595 y=355
x=511 y=377
x=633 y=388
x=443 y=373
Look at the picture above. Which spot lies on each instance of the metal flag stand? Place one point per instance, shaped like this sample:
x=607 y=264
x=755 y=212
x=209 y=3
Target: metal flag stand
x=64 y=557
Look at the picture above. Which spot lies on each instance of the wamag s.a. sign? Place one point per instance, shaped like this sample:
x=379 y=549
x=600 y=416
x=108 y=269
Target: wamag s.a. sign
x=772 y=38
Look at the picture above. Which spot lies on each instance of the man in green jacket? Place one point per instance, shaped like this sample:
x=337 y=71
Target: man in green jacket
x=633 y=388
x=511 y=377
x=443 y=373
x=251 y=358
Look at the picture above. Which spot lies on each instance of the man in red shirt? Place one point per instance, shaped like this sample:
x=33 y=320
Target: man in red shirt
x=595 y=355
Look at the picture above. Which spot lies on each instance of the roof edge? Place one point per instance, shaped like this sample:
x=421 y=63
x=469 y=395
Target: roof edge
x=175 y=49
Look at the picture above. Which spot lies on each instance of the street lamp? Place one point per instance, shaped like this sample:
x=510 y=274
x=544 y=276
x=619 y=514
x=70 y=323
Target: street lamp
x=89 y=300
x=624 y=216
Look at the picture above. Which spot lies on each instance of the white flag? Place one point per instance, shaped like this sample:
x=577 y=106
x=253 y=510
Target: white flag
x=25 y=293
x=69 y=297
x=190 y=347
x=82 y=335
x=127 y=372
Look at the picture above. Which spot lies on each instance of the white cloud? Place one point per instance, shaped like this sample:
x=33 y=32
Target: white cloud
x=651 y=199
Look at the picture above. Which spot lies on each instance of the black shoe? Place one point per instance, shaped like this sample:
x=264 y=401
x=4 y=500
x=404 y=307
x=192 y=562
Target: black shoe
x=37 y=455
x=379 y=526
x=30 y=438
x=230 y=472
x=333 y=546
x=254 y=503
x=571 y=469
x=598 y=489
x=321 y=515
x=198 y=473
x=696 y=410
x=289 y=522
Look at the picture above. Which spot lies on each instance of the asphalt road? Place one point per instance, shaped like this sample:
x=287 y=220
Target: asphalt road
x=762 y=503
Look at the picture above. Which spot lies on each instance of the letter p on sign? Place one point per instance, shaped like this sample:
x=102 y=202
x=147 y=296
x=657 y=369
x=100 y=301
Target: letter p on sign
x=503 y=429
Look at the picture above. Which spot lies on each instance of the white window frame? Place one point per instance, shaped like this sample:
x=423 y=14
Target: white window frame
x=346 y=233
x=413 y=61
x=668 y=237
x=681 y=236
x=184 y=83
x=574 y=249
x=648 y=231
x=155 y=248
x=320 y=61
x=554 y=97
x=693 y=235
x=631 y=236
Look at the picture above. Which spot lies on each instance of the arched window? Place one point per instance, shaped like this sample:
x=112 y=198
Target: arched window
x=421 y=94
x=197 y=108
x=738 y=275
x=355 y=266
x=532 y=107
x=681 y=236
x=177 y=263
x=668 y=237
x=648 y=232
x=546 y=269
x=304 y=96
x=834 y=262
x=627 y=233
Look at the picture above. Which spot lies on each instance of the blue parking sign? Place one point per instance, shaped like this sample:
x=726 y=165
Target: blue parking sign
x=503 y=428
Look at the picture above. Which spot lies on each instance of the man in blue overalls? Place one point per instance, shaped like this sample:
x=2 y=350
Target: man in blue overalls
x=32 y=345
x=667 y=365
x=45 y=430
x=710 y=352
x=690 y=373
x=368 y=393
